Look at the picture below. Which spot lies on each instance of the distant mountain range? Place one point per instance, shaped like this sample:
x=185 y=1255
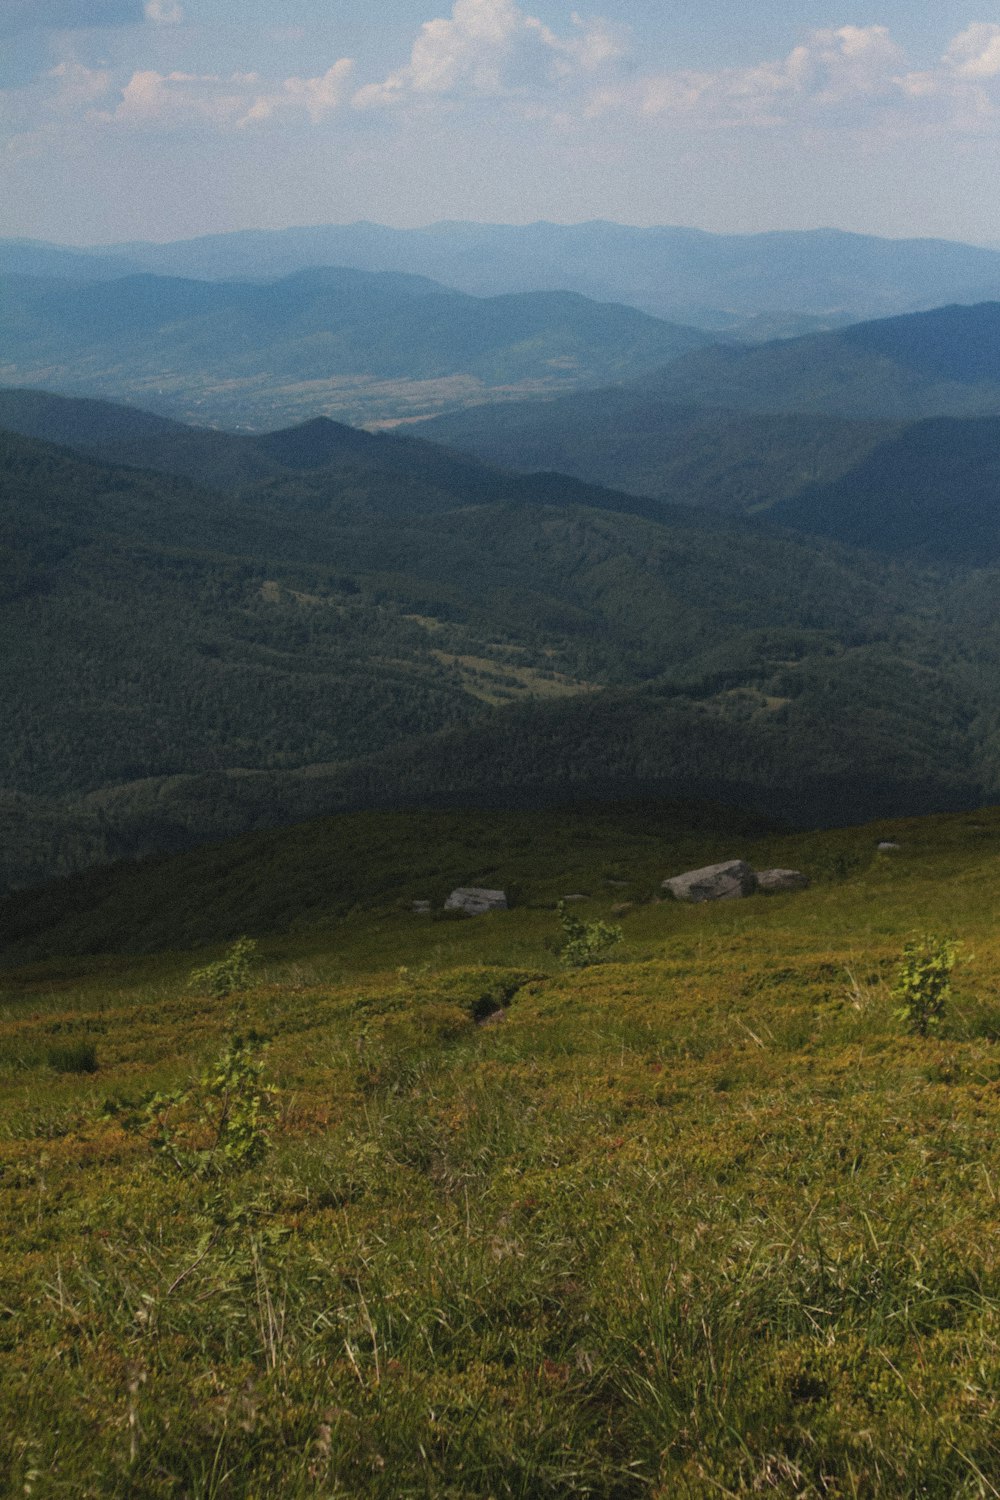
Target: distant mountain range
x=771 y=284
x=37 y=258
x=945 y=362
x=786 y=429
x=345 y=341
x=346 y=620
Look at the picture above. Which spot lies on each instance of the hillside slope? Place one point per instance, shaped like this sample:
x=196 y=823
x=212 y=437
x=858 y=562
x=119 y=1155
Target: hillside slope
x=419 y=1210
x=790 y=426
x=633 y=439
x=932 y=492
x=940 y=363
x=324 y=339
x=181 y=664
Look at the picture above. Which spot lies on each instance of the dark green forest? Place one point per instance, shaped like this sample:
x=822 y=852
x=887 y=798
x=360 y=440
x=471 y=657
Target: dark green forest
x=358 y=620
x=631 y=438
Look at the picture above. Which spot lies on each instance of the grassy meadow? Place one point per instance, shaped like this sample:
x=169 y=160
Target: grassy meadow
x=703 y=1220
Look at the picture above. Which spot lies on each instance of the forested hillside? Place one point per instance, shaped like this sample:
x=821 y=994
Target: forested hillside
x=933 y=491
x=629 y=437
x=945 y=362
x=361 y=620
x=789 y=428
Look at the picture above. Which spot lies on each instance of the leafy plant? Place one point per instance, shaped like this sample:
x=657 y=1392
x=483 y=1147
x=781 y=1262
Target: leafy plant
x=923 y=982
x=221 y=1123
x=585 y=943
x=229 y=973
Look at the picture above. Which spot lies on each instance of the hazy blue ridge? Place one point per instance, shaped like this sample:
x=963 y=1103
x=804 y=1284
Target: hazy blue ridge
x=714 y=280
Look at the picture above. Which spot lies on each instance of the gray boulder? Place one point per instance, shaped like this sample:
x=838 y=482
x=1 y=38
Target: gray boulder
x=888 y=847
x=726 y=882
x=475 y=901
x=773 y=881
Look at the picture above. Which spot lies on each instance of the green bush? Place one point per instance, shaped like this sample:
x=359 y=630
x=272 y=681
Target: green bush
x=229 y=973
x=923 y=982
x=585 y=943
x=221 y=1123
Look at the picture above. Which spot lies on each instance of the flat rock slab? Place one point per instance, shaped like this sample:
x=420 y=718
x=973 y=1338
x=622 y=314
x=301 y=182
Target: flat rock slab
x=773 y=881
x=888 y=847
x=475 y=901
x=726 y=882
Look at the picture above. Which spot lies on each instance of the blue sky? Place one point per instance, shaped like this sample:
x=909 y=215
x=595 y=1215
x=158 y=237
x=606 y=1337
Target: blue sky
x=126 y=119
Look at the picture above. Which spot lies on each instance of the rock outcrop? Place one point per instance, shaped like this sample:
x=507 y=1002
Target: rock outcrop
x=773 y=881
x=475 y=901
x=725 y=882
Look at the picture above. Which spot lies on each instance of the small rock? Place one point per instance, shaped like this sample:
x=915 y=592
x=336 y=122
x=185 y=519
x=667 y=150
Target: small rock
x=621 y=908
x=888 y=847
x=495 y=1018
x=772 y=881
x=422 y=908
x=475 y=901
x=574 y=898
x=724 y=882
x=621 y=883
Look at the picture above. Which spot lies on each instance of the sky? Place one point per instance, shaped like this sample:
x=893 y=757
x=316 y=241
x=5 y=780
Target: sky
x=163 y=119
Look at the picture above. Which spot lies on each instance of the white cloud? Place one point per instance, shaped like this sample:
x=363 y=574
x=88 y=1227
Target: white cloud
x=848 y=76
x=164 y=12
x=167 y=101
x=477 y=50
x=848 y=64
x=318 y=97
x=594 y=45
x=78 y=85
x=975 y=53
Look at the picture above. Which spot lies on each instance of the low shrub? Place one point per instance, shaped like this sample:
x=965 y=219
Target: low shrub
x=220 y=1124
x=228 y=974
x=585 y=943
x=923 y=982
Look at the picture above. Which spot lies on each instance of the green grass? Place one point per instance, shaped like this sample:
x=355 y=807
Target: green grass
x=700 y=1221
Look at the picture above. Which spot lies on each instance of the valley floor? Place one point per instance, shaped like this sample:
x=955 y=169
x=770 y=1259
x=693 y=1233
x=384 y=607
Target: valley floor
x=701 y=1221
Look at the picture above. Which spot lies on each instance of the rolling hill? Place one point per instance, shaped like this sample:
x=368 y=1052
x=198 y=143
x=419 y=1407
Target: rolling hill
x=715 y=281
x=907 y=485
x=933 y=491
x=632 y=439
x=945 y=362
x=24 y=257
x=368 y=620
x=334 y=340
